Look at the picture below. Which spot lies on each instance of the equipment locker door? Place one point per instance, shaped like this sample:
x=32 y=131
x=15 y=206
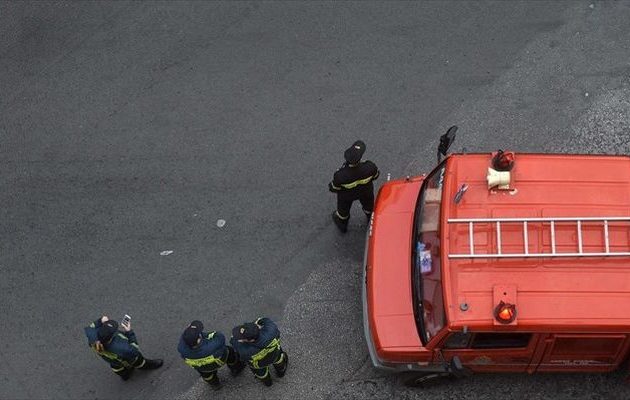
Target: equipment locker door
x=582 y=352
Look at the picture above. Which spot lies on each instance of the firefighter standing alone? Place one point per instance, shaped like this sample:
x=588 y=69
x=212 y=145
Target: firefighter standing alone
x=353 y=181
x=119 y=349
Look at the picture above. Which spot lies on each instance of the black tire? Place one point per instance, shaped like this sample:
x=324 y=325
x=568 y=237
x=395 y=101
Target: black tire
x=424 y=380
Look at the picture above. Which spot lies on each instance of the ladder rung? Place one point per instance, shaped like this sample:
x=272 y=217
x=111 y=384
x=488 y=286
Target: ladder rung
x=606 y=236
x=553 y=237
x=499 y=237
x=525 y=238
x=579 y=230
x=470 y=236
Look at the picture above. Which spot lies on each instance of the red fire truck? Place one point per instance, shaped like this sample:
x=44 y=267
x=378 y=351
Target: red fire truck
x=501 y=262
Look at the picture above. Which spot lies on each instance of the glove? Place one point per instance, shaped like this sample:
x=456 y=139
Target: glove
x=331 y=188
x=99 y=346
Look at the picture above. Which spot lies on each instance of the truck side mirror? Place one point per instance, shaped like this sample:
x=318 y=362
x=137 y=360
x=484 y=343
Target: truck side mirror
x=446 y=141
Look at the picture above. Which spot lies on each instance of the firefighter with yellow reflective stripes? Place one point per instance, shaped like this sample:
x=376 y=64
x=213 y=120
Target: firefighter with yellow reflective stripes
x=353 y=181
x=119 y=348
x=206 y=352
x=258 y=344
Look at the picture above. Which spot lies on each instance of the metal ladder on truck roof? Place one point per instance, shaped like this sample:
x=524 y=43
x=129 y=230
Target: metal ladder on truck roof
x=552 y=224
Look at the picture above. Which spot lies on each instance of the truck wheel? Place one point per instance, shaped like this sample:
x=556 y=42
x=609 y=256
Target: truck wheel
x=424 y=380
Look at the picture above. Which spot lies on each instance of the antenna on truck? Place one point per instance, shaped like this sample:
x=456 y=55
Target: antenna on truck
x=446 y=141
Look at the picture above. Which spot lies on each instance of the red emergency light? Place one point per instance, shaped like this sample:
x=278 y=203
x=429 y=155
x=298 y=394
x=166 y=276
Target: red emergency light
x=505 y=313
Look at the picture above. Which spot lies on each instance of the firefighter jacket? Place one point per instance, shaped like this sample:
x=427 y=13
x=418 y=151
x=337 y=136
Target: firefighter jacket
x=265 y=350
x=122 y=352
x=209 y=355
x=354 y=178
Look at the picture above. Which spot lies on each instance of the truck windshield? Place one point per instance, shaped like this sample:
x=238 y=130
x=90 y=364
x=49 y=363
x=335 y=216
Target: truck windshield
x=425 y=258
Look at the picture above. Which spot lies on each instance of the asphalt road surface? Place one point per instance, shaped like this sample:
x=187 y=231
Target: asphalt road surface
x=131 y=129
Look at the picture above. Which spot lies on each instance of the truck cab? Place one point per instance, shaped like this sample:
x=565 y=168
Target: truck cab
x=519 y=268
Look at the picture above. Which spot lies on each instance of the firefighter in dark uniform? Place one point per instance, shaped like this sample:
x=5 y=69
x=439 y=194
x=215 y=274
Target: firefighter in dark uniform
x=353 y=181
x=258 y=344
x=206 y=352
x=119 y=348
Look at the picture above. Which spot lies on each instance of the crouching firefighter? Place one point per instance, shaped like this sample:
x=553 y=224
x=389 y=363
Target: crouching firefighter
x=207 y=352
x=119 y=348
x=258 y=344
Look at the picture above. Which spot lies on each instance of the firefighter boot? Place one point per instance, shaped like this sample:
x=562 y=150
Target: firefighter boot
x=152 y=364
x=281 y=367
x=237 y=368
x=215 y=383
x=342 y=224
x=212 y=379
x=267 y=380
x=125 y=374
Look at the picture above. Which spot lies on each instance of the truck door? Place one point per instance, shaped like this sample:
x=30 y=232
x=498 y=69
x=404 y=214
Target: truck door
x=491 y=351
x=582 y=352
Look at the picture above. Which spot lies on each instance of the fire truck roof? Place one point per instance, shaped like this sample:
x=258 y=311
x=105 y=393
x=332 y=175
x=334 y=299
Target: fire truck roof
x=555 y=242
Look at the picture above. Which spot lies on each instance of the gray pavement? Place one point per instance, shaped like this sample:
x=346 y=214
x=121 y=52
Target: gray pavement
x=129 y=129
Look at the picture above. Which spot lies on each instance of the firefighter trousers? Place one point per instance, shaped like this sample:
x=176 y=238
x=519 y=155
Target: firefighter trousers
x=345 y=199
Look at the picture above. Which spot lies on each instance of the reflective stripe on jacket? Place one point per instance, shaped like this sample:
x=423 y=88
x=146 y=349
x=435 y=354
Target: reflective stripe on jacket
x=266 y=356
x=265 y=350
x=209 y=355
x=350 y=177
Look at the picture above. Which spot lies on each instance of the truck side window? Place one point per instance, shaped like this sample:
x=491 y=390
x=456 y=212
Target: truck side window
x=500 y=340
x=457 y=340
